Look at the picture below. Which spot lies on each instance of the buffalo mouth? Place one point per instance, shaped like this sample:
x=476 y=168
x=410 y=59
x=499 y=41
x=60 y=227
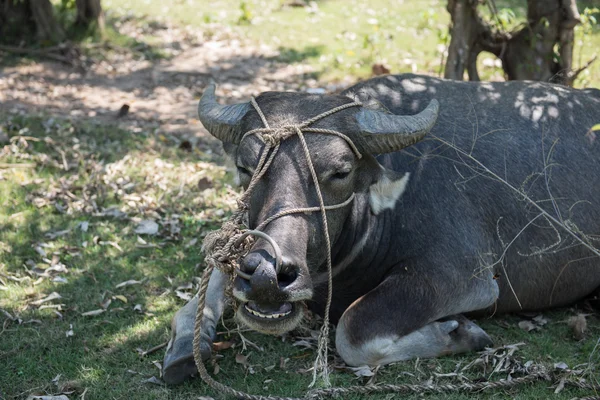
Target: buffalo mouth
x=273 y=319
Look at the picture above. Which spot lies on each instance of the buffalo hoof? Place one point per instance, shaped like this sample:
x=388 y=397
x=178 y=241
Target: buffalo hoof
x=178 y=364
x=468 y=336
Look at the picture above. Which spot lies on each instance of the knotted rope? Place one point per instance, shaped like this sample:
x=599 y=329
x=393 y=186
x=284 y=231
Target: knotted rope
x=225 y=247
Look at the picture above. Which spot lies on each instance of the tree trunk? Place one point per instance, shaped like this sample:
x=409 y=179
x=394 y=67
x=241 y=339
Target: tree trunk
x=90 y=12
x=20 y=20
x=47 y=27
x=527 y=54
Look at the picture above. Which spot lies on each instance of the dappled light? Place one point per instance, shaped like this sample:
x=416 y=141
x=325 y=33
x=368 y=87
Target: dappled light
x=109 y=185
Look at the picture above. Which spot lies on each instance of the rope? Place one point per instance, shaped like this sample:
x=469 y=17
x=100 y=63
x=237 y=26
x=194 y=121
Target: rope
x=224 y=248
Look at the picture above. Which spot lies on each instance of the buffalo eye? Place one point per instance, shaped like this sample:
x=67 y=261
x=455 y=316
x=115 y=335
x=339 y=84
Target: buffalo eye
x=341 y=175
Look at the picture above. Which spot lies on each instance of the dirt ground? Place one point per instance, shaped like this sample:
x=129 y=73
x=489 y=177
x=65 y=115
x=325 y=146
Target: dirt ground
x=162 y=94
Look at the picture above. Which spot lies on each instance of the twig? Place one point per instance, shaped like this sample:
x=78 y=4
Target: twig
x=16 y=165
x=154 y=349
x=575 y=74
x=522 y=194
x=49 y=53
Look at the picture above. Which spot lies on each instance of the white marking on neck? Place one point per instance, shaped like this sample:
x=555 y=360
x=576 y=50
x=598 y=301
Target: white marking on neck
x=385 y=193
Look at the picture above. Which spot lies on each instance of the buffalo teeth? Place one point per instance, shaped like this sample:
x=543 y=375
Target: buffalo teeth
x=269 y=316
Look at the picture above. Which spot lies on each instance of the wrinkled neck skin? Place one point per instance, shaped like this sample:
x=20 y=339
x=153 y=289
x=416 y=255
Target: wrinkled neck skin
x=360 y=260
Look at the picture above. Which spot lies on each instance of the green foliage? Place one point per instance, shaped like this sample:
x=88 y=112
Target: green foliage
x=246 y=13
x=506 y=17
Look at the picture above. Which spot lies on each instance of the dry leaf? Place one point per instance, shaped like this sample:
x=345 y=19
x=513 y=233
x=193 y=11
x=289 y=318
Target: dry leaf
x=106 y=303
x=121 y=298
x=379 y=69
x=540 y=320
x=60 y=397
x=560 y=386
x=128 y=283
x=527 y=326
x=241 y=359
x=138 y=308
x=218 y=346
x=147 y=227
x=362 y=371
x=191 y=243
x=70 y=332
x=579 y=326
x=561 y=365
x=84 y=226
x=183 y=295
x=93 y=313
x=50 y=297
x=154 y=380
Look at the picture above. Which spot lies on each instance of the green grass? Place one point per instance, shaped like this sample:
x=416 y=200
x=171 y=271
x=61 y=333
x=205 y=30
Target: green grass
x=345 y=37
x=148 y=176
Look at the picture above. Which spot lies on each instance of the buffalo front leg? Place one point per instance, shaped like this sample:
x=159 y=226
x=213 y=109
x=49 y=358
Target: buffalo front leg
x=178 y=364
x=396 y=322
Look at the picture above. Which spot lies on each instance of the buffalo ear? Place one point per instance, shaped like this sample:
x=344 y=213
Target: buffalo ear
x=387 y=190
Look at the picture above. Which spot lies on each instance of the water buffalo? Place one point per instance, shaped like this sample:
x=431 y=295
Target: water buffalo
x=496 y=210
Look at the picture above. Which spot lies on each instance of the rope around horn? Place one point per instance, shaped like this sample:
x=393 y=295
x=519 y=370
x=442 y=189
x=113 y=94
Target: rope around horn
x=224 y=248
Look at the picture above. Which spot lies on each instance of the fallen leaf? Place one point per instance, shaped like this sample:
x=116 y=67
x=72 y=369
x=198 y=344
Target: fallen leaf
x=191 y=243
x=138 y=308
x=93 y=313
x=204 y=183
x=561 y=365
x=147 y=227
x=60 y=397
x=218 y=346
x=84 y=226
x=362 y=371
x=70 y=332
x=50 y=297
x=379 y=69
x=154 y=380
x=128 y=283
x=241 y=359
x=183 y=295
x=540 y=320
x=157 y=365
x=560 y=386
x=106 y=303
x=527 y=326
x=121 y=298
x=579 y=326
x=54 y=235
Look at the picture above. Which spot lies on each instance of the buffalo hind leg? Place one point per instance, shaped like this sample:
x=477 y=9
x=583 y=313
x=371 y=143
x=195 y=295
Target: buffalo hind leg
x=178 y=364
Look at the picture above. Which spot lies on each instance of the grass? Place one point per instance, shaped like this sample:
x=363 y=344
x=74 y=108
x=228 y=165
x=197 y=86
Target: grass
x=341 y=38
x=82 y=189
x=77 y=171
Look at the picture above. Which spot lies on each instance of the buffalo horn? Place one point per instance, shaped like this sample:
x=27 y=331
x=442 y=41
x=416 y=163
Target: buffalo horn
x=385 y=133
x=223 y=122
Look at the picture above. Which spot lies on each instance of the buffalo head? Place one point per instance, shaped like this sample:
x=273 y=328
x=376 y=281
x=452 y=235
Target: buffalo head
x=271 y=298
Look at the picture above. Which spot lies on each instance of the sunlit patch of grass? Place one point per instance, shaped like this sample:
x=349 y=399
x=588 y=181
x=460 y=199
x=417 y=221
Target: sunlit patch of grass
x=341 y=38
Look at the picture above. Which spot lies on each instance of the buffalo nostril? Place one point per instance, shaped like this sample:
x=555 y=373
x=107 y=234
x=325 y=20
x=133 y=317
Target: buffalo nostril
x=287 y=275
